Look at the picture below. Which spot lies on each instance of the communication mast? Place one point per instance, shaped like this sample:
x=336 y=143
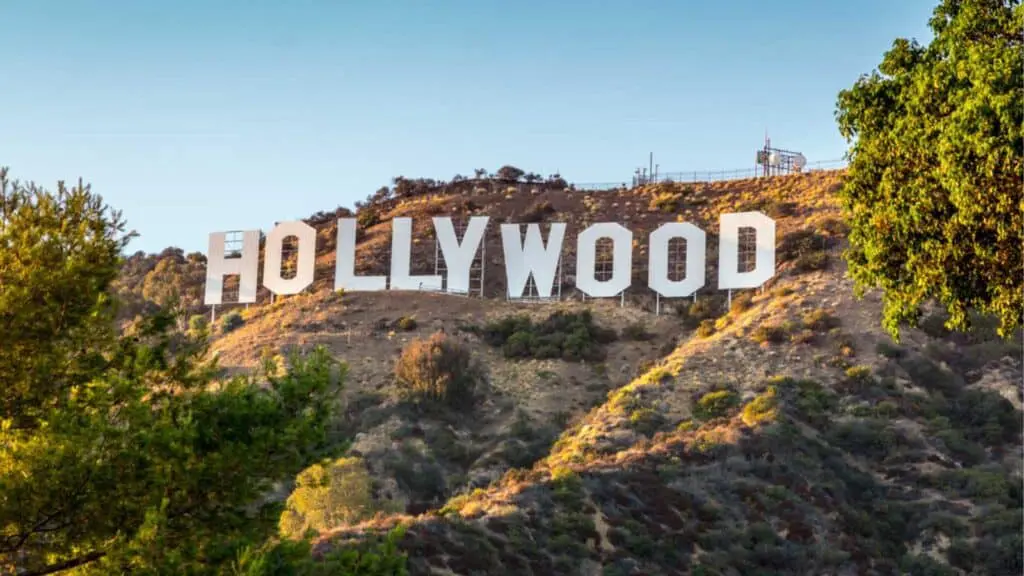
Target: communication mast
x=775 y=161
x=646 y=175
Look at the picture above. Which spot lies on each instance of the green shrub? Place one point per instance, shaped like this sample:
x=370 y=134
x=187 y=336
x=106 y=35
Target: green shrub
x=327 y=496
x=198 y=323
x=707 y=308
x=811 y=262
x=537 y=212
x=963 y=450
x=772 y=207
x=802 y=245
x=368 y=557
x=569 y=336
x=873 y=439
x=858 y=379
x=368 y=217
x=934 y=325
x=924 y=565
x=437 y=369
x=687 y=426
x=636 y=331
x=406 y=323
x=773 y=334
x=762 y=409
x=930 y=376
x=741 y=302
x=231 y=321
x=889 y=350
x=716 y=404
x=986 y=483
x=985 y=417
x=820 y=320
x=646 y=421
x=668 y=202
x=706 y=328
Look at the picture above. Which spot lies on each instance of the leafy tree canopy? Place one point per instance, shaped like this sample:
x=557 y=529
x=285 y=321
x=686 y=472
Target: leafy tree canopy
x=124 y=453
x=508 y=172
x=934 y=189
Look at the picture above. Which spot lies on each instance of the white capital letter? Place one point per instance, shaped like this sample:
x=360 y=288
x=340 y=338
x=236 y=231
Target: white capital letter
x=657 y=269
x=246 y=266
x=401 y=255
x=458 y=258
x=586 y=257
x=345 y=262
x=531 y=257
x=305 y=258
x=729 y=275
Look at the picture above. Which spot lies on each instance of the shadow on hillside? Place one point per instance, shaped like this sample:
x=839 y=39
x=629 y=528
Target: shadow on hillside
x=772 y=499
x=433 y=452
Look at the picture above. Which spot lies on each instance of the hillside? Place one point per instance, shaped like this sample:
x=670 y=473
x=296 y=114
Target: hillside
x=836 y=455
x=786 y=435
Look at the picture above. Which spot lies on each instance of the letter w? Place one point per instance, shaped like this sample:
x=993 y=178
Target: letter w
x=532 y=257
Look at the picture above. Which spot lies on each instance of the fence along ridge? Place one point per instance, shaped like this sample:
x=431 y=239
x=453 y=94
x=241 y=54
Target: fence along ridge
x=708 y=175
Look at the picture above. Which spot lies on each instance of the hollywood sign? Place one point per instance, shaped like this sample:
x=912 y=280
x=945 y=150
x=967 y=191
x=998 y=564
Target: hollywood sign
x=523 y=259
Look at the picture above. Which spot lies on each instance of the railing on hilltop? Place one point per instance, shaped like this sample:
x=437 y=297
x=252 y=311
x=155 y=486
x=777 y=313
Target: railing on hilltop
x=707 y=175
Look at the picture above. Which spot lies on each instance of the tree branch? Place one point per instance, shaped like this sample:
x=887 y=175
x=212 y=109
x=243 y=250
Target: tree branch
x=67 y=564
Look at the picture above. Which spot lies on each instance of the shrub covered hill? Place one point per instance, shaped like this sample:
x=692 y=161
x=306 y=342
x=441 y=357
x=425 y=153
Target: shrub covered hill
x=784 y=434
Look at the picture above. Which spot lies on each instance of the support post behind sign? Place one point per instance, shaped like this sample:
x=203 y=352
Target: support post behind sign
x=483 y=264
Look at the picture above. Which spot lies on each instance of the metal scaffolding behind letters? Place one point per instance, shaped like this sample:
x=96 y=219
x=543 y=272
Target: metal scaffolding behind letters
x=604 y=264
x=476 y=267
x=530 y=292
x=676 y=267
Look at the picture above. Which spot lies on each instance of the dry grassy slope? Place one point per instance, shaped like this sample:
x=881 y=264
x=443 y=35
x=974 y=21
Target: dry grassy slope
x=359 y=328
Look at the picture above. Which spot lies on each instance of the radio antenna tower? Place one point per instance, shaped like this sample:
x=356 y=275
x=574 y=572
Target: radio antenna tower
x=775 y=161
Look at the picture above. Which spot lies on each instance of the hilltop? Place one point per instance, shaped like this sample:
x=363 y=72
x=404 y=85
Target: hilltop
x=786 y=434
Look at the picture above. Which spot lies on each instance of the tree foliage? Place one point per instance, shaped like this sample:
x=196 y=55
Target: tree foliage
x=122 y=453
x=934 y=189
x=151 y=281
x=511 y=173
x=329 y=496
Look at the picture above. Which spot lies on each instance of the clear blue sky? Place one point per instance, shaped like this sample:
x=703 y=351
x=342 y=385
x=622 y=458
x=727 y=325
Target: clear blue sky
x=194 y=117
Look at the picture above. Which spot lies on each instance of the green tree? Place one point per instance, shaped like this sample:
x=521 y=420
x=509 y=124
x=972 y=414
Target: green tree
x=329 y=496
x=510 y=173
x=933 y=191
x=117 y=454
